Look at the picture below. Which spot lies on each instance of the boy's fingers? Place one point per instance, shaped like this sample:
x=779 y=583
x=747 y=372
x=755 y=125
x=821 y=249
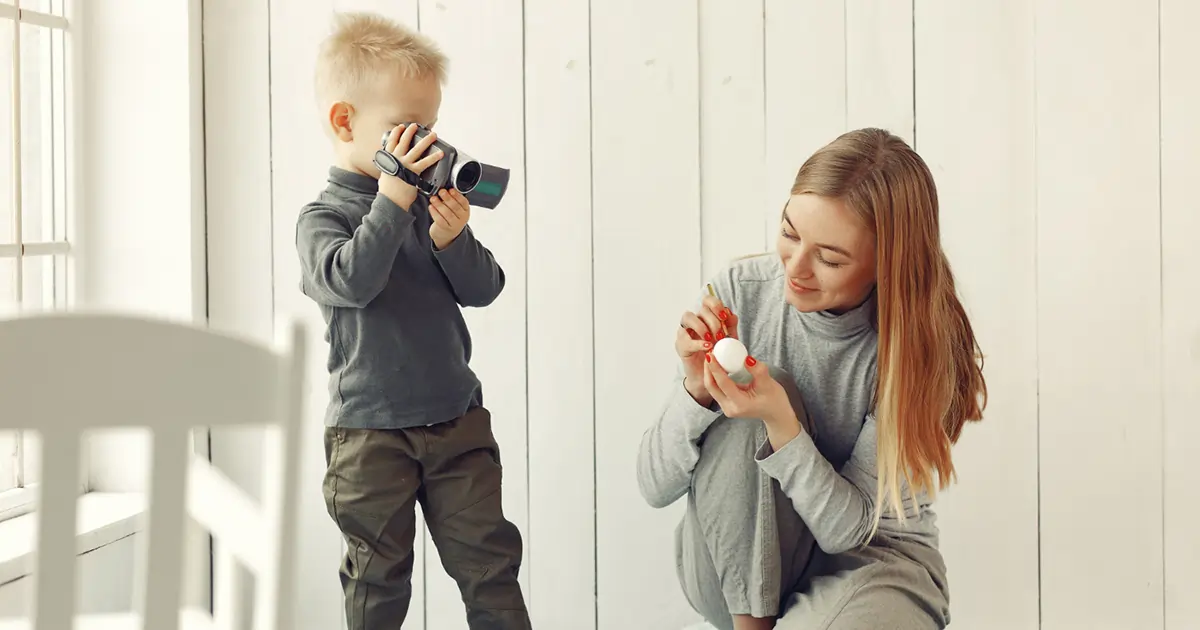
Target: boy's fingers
x=436 y=212
x=394 y=138
x=427 y=161
x=422 y=146
x=451 y=199
x=464 y=205
x=405 y=140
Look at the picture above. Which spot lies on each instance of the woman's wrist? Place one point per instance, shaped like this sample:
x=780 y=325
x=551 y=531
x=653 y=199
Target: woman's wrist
x=698 y=392
x=782 y=427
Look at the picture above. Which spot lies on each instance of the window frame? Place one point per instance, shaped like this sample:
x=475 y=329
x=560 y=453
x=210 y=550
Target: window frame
x=19 y=497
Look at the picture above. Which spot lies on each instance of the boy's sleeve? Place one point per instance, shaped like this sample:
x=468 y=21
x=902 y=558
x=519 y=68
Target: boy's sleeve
x=473 y=272
x=344 y=267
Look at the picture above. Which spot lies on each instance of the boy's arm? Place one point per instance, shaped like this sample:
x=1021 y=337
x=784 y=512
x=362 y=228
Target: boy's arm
x=473 y=272
x=345 y=268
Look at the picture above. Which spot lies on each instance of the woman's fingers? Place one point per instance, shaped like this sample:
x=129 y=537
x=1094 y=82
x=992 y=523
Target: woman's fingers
x=686 y=345
x=719 y=316
x=692 y=322
x=710 y=383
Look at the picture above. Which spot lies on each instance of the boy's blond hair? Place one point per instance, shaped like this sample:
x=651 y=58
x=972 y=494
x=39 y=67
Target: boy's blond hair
x=364 y=47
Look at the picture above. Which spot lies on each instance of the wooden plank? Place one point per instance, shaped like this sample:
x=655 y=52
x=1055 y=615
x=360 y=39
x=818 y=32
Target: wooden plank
x=647 y=270
x=482 y=113
x=805 y=110
x=1099 y=315
x=976 y=62
x=562 y=516
x=237 y=130
x=733 y=176
x=301 y=156
x=1181 y=309
x=237 y=146
x=879 y=65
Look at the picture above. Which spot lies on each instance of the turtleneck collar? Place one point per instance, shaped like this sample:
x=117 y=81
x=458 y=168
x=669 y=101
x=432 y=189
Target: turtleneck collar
x=849 y=324
x=354 y=181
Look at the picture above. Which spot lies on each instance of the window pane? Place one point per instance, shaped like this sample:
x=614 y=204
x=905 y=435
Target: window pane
x=40 y=286
x=58 y=95
x=37 y=135
x=8 y=287
x=7 y=214
x=42 y=6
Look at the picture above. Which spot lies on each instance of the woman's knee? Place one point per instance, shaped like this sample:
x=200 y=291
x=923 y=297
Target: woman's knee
x=726 y=468
x=888 y=607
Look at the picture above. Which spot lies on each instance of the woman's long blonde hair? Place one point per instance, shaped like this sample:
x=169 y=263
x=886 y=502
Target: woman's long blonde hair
x=930 y=367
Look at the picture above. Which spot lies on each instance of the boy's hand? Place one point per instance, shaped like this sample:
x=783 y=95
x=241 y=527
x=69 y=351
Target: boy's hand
x=450 y=211
x=401 y=193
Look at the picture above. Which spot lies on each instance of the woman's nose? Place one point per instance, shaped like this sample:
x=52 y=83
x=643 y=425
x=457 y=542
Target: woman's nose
x=798 y=264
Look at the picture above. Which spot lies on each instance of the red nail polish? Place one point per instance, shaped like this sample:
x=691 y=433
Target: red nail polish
x=708 y=336
x=751 y=362
x=723 y=315
x=707 y=346
x=708 y=357
x=720 y=335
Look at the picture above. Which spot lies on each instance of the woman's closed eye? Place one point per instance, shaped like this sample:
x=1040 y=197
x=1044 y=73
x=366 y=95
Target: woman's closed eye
x=820 y=257
x=829 y=263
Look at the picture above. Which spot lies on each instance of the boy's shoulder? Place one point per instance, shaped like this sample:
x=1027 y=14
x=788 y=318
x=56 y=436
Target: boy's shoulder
x=344 y=204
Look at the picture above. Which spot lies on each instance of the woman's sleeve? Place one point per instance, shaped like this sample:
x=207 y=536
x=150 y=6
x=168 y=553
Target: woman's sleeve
x=670 y=450
x=670 y=447
x=838 y=506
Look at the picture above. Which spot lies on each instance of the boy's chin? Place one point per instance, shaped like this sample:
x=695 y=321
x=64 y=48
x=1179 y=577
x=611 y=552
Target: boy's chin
x=358 y=164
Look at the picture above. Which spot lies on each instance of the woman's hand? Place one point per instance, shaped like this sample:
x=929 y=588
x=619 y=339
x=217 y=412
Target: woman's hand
x=694 y=339
x=762 y=398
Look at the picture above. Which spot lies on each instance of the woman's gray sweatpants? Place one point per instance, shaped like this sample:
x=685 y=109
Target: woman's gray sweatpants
x=742 y=549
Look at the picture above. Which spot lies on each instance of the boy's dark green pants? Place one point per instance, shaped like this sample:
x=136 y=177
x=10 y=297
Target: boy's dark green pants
x=373 y=481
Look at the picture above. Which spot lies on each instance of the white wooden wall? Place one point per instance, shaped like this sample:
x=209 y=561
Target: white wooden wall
x=649 y=150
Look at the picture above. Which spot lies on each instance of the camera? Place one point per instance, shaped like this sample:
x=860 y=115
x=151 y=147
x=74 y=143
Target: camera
x=482 y=184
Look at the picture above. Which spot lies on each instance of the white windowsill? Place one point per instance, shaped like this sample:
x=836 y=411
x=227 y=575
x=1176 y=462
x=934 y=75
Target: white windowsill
x=104 y=517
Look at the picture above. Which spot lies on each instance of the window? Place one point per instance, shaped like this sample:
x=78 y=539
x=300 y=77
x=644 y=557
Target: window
x=35 y=244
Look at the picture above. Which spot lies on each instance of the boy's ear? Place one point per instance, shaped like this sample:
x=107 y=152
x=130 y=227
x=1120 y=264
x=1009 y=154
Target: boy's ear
x=340 y=115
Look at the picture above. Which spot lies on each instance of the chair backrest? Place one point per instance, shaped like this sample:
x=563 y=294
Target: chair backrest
x=63 y=374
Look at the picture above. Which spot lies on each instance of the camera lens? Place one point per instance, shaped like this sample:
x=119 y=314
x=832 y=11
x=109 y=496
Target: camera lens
x=468 y=176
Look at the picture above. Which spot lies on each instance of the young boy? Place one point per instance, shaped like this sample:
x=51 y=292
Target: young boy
x=391 y=270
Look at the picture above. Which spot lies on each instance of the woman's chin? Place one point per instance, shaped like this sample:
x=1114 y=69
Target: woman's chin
x=805 y=303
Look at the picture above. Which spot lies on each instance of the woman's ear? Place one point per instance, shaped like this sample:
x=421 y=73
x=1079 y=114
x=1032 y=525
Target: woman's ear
x=341 y=114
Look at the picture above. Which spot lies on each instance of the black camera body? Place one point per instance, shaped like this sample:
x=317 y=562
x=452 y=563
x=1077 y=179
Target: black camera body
x=483 y=184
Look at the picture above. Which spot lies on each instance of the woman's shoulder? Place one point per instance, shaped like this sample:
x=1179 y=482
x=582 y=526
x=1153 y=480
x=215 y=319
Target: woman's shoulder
x=744 y=280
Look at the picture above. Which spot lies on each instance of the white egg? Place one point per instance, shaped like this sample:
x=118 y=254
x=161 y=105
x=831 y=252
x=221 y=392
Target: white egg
x=731 y=354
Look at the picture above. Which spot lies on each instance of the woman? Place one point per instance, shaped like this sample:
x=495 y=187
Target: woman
x=810 y=488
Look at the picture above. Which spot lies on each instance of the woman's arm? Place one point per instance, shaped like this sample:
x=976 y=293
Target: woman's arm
x=838 y=507
x=669 y=449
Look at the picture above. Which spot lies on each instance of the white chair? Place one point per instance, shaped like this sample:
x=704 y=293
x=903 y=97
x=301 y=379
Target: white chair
x=63 y=374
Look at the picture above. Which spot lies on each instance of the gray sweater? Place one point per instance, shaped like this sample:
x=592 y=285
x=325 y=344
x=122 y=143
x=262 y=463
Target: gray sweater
x=830 y=481
x=399 y=348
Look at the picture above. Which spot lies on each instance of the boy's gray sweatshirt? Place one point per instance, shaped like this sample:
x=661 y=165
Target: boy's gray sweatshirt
x=830 y=477
x=399 y=349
